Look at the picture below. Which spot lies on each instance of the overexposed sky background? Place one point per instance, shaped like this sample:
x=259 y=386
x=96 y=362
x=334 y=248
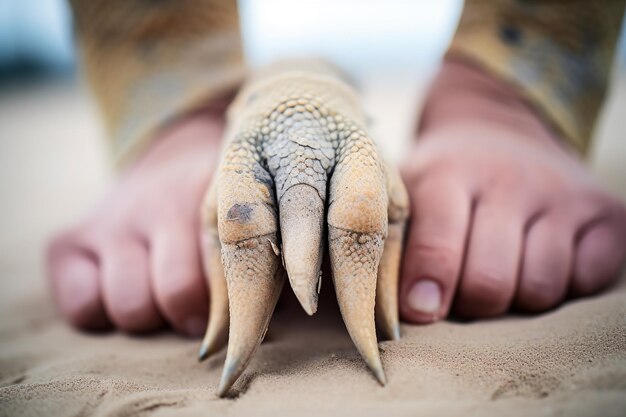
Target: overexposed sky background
x=362 y=36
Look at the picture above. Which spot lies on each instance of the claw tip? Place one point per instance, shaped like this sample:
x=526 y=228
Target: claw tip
x=229 y=376
x=380 y=376
x=309 y=306
x=395 y=333
x=307 y=295
x=203 y=353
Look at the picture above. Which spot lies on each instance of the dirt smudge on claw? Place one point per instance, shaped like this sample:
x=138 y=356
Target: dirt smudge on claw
x=240 y=213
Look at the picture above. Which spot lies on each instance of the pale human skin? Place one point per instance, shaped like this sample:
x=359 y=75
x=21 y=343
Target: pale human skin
x=541 y=228
x=134 y=262
x=505 y=214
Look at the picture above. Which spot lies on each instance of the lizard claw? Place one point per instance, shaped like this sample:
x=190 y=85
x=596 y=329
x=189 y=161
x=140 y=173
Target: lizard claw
x=217 y=327
x=295 y=139
x=302 y=227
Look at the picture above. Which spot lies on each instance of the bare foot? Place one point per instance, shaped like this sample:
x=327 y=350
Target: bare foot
x=503 y=214
x=135 y=262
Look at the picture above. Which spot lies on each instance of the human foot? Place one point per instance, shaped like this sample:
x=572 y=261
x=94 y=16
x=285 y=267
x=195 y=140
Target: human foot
x=503 y=214
x=297 y=157
x=134 y=262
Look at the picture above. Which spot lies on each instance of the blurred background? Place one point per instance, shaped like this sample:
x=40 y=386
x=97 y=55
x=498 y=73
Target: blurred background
x=36 y=39
x=53 y=164
x=36 y=35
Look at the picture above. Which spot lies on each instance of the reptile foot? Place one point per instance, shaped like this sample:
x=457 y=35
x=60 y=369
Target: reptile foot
x=299 y=170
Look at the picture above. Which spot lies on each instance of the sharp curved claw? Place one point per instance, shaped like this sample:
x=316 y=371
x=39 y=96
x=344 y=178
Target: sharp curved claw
x=302 y=224
x=216 y=334
x=255 y=281
x=387 y=287
x=215 y=338
x=290 y=136
x=354 y=261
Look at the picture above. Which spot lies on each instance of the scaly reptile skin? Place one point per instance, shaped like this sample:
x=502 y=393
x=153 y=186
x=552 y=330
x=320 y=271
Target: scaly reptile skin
x=296 y=143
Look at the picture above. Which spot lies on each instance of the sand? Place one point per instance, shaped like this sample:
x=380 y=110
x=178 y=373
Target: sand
x=570 y=361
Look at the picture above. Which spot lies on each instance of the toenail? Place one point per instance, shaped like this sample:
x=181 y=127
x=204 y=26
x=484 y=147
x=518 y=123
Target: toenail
x=195 y=325
x=425 y=297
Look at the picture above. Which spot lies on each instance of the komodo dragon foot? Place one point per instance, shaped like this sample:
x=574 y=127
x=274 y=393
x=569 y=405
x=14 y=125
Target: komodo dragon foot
x=291 y=132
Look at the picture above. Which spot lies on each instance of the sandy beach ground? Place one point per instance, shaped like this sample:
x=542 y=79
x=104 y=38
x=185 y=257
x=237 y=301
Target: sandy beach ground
x=570 y=361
